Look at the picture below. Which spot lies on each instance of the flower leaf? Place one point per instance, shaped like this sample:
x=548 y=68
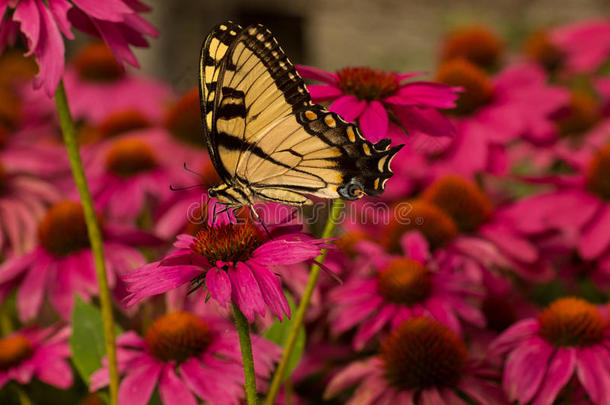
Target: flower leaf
x=278 y=333
x=87 y=340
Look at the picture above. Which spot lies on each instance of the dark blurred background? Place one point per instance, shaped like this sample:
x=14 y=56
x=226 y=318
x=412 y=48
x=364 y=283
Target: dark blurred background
x=400 y=35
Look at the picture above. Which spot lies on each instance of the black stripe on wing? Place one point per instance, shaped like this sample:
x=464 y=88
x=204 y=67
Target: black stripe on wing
x=213 y=58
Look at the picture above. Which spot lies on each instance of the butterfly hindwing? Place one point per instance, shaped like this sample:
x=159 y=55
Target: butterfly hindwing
x=265 y=135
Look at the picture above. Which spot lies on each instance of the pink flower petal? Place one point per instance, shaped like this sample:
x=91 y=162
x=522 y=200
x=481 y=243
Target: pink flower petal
x=373 y=325
x=596 y=237
x=349 y=376
x=348 y=107
x=59 y=9
x=424 y=120
x=31 y=291
x=277 y=252
x=137 y=387
x=49 y=53
x=28 y=16
x=593 y=375
x=310 y=72
x=55 y=372
x=431 y=396
x=173 y=390
x=109 y=10
x=424 y=94
x=207 y=384
x=374 y=121
x=14 y=266
x=321 y=92
x=513 y=336
x=245 y=291
x=153 y=279
x=415 y=246
x=271 y=288
x=525 y=369
x=114 y=38
x=518 y=248
x=218 y=284
x=559 y=372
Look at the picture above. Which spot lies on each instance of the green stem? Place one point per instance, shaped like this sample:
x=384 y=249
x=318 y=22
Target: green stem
x=24 y=399
x=95 y=235
x=297 y=322
x=243 y=330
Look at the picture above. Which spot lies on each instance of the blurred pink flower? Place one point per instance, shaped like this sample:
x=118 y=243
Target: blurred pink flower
x=34 y=352
x=520 y=107
x=585 y=44
x=569 y=340
x=183 y=354
x=23 y=201
x=401 y=288
x=233 y=260
x=578 y=209
x=42 y=23
x=131 y=172
x=98 y=87
x=62 y=264
x=374 y=96
x=421 y=362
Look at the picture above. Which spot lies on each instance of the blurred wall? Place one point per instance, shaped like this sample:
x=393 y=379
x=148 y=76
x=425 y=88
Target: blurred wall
x=391 y=34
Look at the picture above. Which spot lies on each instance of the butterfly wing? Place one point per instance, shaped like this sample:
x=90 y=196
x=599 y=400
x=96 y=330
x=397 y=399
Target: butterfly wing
x=268 y=136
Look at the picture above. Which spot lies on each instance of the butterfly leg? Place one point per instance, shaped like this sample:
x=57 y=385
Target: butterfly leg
x=260 y=220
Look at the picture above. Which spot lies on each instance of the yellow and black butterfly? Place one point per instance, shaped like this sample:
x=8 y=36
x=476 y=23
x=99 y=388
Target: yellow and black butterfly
x=266 y=138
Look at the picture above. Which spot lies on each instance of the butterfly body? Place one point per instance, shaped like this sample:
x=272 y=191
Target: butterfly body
x=265 y=137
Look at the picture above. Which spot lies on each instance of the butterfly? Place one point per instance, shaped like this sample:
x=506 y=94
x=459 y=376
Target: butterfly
x=265 y=137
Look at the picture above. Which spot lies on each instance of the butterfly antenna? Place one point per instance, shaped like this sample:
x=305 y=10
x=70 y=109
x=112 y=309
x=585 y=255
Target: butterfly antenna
x=174 y=188
x=191 y=170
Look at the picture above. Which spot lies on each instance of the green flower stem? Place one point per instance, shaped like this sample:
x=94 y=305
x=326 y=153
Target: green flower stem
x=95 y=235
x=278 y=377
x=243 y=330
x=24 y=399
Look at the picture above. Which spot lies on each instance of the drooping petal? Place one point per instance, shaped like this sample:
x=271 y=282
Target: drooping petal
x=424 y=120
x=271 y=288
x=218 y=284
x=277 y=252
x=28 y=16
x=173 y=390
x=513 y=336
x=114 y=38
x=559 y=372
x=348 y=377
x=109 y=10
x=154 y=279
x=49 y=53
x=425 y=94
x=137 y=387
x=60 y=8
x=245 y=291
x=525 y=369
x=374 y=121
x=348 y=107
x=415 y=246
x=593 y=375
x=596 y=238
x=31 y=291
x=55 y=372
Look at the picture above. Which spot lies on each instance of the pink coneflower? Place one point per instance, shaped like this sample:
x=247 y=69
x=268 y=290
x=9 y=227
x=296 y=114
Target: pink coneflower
x=377 y=98
x=132 y=172
x=578 y=208
x=23 y=201
x=586 y=44
x=233 y=260
x=62 y=263
x=42 y=23
x=516 y=104
x=422 y=362
x=39 y=353
x=566 y=345
x=98 y=87
x=401 y=288
x=186 y=356
x=465 y=230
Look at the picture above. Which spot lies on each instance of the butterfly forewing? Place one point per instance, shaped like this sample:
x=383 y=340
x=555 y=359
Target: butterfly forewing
x=266 y=135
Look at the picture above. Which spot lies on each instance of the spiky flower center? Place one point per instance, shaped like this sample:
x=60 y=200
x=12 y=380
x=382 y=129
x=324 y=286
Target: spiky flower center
x=598 y=173
x=477 y=44
x=539 y=48
x=583 y=113
x=417 y=215
x=422 y=353
x=404 y=282
x=477 y=87
x=463 y=201
x=13 y=350
x=227 y=242
x=499 y=312
x=571 y=322
x=123 y=121
x=366 y=83
x=348 y=241
x=128 y=157
x=63 y=229
x=183 y=119
x=178 y=336
x=96 y=63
